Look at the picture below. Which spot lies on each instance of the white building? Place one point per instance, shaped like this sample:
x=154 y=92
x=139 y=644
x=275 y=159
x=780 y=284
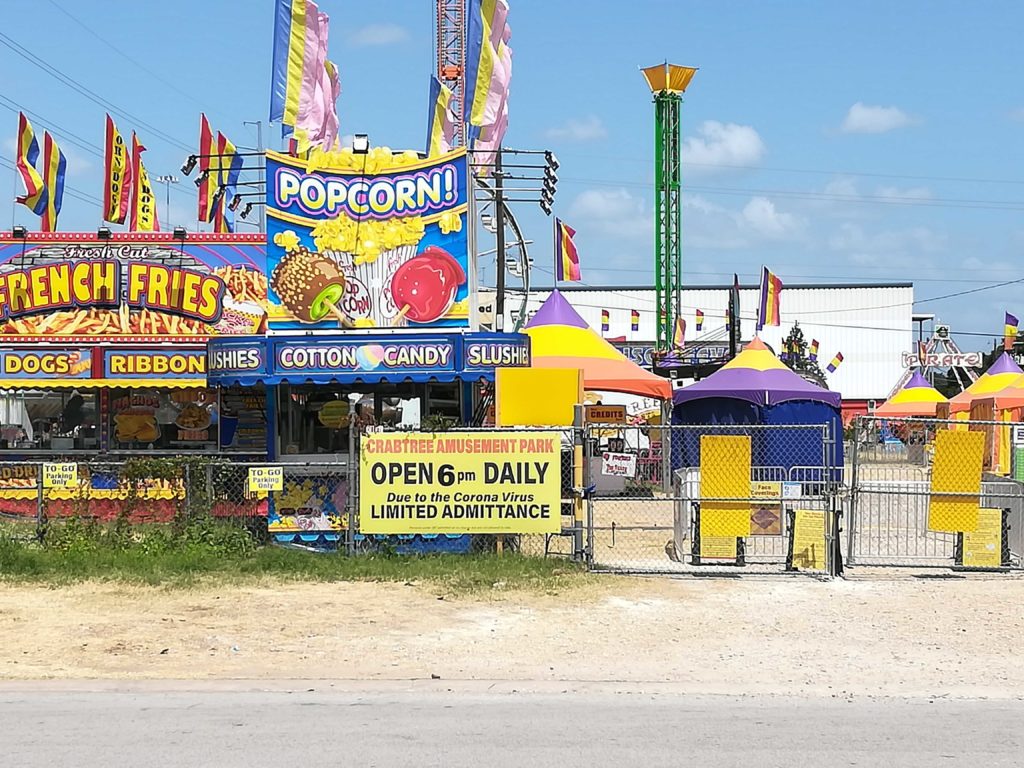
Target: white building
x=870 y=324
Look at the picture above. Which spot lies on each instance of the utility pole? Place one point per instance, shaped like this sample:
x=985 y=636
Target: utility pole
x=499 y=222
x=262 y=167
x=167 y=181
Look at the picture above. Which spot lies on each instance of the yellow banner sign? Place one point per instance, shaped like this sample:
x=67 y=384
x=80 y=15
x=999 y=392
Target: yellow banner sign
x=266 y=479
x=809 y=539
x=983 y=548
x=60 y=475
x=479 y=482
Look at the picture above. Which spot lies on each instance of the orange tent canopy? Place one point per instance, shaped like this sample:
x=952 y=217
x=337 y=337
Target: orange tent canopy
x=1002 y=374
x=917 y=398
x=560 y=338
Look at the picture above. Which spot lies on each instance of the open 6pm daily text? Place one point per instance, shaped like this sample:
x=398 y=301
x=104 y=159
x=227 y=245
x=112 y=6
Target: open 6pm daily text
x=487 y=482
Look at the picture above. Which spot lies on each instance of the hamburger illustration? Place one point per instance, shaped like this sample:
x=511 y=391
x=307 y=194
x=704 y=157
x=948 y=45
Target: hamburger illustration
x=309 y=284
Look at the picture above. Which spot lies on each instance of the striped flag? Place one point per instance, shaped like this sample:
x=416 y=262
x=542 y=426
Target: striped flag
x=836 y=362
x=482 y=62
x=700 y=319
x=813 y=354
x=634 y=320
x=230 y=168
x=605 y=320
x=441 y=119
x=922 y=355
x=117 y=175
x=143 y=209
x=304 y=83
x=771 y=290
x=27 y=153
x=209 y=170
x=55 y=168
x=1009 y=331
x=567 y=256
x=679 y=336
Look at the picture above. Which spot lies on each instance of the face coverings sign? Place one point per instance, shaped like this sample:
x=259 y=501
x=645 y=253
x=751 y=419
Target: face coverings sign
x=374 y=240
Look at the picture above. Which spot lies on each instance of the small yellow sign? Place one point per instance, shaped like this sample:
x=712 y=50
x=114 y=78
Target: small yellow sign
x=60 y=475
x=766 y=511
x=334 y=414
x=809 y=539
x=718 y=547
x=265 y=479
x=606 y=414
x=983 y=548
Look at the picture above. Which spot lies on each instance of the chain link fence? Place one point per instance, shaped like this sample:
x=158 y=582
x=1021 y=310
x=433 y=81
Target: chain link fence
x=893 y=519
x=785 y=522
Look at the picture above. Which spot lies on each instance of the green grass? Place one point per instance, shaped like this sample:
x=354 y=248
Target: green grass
x=154 y=558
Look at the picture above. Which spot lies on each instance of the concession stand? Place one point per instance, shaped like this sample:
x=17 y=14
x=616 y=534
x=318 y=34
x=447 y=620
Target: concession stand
x=103 y=344
x=371 y=319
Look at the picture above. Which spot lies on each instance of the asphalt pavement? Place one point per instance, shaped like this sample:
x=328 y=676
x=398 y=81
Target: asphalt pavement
x=150 y=725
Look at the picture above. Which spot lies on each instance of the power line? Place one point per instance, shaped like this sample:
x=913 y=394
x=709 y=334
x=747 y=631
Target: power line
x=792 y=194
x=814 y=312
x=78 y=194
x=819 y=172
x=830 y=276
x=136 y=62
x=74 y=138
x=86 y=92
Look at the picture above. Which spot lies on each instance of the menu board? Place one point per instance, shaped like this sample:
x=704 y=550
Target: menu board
x=163 y=419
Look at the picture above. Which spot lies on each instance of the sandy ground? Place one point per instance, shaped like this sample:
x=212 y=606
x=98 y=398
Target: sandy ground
x=905 y=637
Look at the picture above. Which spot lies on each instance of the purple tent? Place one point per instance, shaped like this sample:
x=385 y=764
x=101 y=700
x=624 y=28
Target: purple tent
x=757 y=376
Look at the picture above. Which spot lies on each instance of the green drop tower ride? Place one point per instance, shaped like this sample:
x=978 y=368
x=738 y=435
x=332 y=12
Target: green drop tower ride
x=667 y=82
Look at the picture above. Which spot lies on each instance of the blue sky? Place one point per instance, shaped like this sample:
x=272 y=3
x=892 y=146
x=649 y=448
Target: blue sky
x=831 y=141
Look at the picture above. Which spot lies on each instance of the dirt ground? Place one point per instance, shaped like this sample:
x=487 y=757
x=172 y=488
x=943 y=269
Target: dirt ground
x=787 y=636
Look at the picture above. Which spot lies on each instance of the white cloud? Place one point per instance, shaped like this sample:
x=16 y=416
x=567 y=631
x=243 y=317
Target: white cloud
x=867 y=118
x=892 y=248
x=761 y=217
x=613 y=212
x=379 y=34
x=904 y=193
x=723 y=144
x=589 y=128
x=842 y=187
x=715 y=227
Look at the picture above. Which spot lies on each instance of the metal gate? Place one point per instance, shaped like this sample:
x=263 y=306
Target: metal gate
x=647 y=517
x=890 y=476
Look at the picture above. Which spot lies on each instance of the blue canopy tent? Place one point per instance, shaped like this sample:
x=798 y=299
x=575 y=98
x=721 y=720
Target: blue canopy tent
x=755 y=388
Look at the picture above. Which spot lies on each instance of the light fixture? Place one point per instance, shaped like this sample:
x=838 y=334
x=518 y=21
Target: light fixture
x=189 y=165
x=201 y=178
x=217 y=198
x=180 y=233
x=247 y=210
x=360 y=144
x=19 y=232
x=235 y=202
x=103 y=233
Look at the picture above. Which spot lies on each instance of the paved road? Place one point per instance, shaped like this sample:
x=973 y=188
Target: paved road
x=421 y=728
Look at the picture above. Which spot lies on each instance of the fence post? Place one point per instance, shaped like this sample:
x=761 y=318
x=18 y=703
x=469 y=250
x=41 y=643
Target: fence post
x=40 y=515
x=353 y=489
x=580 y=450
x=666 y=446
x=588 y=501
x=854 y=464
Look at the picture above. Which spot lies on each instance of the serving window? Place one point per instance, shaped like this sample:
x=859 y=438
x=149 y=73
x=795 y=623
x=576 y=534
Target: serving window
x=313 y=419
x=49 y=419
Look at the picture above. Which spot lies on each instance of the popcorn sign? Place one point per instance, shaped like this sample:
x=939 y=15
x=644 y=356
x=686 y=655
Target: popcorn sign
x=368 y=241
